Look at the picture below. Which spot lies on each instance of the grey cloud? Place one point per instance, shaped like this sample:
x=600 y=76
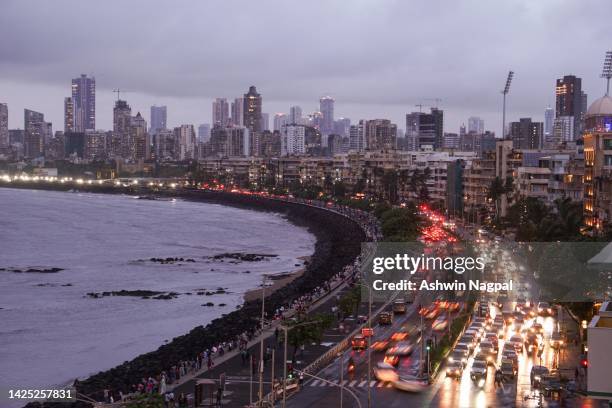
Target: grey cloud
x=377 y=57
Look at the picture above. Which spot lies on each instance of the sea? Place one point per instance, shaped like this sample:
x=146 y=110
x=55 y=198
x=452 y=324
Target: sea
x=52 y=331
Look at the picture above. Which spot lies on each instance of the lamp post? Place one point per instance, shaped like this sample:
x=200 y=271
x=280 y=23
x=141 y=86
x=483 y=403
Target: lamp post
x=335 y=385
x=505 y=92
x=261 y=344
x=286 y=331
x=369 y=341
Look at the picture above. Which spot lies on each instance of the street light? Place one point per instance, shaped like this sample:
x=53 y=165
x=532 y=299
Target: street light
x=286 y=330
x=607 y=70
x=369 y=340
x=505 y=92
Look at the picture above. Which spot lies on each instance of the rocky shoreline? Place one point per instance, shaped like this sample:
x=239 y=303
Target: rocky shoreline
x=338 y=243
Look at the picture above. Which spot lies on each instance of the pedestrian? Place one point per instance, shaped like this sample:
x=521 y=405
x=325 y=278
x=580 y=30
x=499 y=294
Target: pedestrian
x=209 y=363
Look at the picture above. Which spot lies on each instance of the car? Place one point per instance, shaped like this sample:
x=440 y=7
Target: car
x=464 y=348
x=517 y=341
x=544 y=309
x=385 y=372
x=439 y=324
x=537 y=328
x=359 y=342
x=532 y=342
x=473 y=333
x=410 y=384
x=380 y=345
x=392 y=359
x=431 y=313
x=478 y=370
x=458 y=356
x=556 y=341
x=402 y=348
x=510 y=354
x=399 y=306
x=385 y=318
x=509 y=369
x=493 y=338
x=536 y=374
x=454 y=369
x=487 y=349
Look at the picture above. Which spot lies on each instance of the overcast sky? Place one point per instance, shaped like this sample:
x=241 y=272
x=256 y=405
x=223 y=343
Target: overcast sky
x=377 y=58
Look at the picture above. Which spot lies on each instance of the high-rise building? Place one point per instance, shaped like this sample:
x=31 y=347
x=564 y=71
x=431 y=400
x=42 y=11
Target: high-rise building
x=186 y=142
x=122 y=119
x=475 y=125
x=563 y=131
x=526 y=134
x=164 y=145
x=220 y=112
x=357 y=136
x=204 y=132
x=295 y=115
x=265 y=122
x=451 y=141
x=549 y=117
x=140 y=143
x=326 y=107
x=159 y=118
x=35 y=132
x=342 y=126
x=84 y=100
x=68 y=114
x=380 y=134
x=293 y=140
x=252 y=110
x=569 y=100
x=238 y=112
x=4 y=131
x=280 y=120
x=423 y=129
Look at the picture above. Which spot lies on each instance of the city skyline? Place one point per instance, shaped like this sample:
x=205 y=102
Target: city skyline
x=362 y=88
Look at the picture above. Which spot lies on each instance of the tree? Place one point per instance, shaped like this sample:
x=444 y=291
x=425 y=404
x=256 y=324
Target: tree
x=304 y=332
x=495 y=193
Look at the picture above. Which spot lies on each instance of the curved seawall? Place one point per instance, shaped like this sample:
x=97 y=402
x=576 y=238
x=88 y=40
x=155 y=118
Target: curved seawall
x=338 y=243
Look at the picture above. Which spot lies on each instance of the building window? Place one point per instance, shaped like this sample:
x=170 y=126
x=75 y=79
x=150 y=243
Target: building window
x=608 y=160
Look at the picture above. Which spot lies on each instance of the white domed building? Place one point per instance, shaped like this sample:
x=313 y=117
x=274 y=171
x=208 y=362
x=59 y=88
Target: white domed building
x=598 y=163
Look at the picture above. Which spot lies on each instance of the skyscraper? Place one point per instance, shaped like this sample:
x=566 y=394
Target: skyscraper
x=549 y=116
x=204 y=132
x=4 y=133
x=159 y=118
x=380 y=134
x=569 y=100
x=280 y=119
x=186 y=142
x=35 y=131
x=295 y=114
x=220 y=112
x=357 y=136
x=122 y=118
x=526 y=134
x=238 y=112
x=326 y=106
x=252 y=110
x=68 y=115
x=475 y=125
x=140 y=143
x=265 y=122
x=425 y=129
x=84 y=100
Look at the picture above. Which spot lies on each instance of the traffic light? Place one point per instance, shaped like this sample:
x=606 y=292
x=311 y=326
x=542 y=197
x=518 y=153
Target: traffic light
x=584 y=362
x=429 y=344
x=289 y=370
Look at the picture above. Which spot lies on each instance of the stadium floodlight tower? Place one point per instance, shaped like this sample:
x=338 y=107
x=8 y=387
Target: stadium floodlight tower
x=505 y=92
x=607 y=70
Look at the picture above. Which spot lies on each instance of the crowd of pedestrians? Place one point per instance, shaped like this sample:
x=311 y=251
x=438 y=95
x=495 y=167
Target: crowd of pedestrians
x=164 y=381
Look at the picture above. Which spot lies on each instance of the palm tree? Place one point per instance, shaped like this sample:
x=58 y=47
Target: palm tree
x=495 y=193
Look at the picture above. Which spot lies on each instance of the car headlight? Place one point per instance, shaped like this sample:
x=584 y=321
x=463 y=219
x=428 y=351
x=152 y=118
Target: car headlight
x=537 y=378
x=450 y=359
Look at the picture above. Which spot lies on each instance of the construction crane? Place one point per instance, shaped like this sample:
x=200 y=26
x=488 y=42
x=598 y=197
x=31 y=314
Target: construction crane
x=420 y=105
x=118 y=92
